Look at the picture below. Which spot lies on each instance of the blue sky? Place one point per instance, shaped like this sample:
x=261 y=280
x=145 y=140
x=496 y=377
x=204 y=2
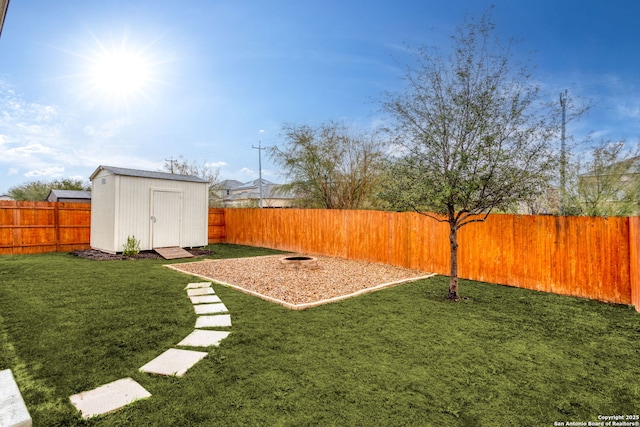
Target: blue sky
x=207 y=80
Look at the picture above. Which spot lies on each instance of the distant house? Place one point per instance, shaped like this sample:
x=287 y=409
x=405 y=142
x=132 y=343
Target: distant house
x=223 y=189
x=235 y=194
x=69 y=196
x=5 y=197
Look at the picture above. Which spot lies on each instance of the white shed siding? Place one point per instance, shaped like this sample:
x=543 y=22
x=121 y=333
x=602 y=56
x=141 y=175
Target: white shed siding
x=195 y=218
x=135 y=210
x=132 y=209
x=103 y=212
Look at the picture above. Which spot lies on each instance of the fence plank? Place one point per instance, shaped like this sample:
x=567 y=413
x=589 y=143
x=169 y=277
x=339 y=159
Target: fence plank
x=634 y=254
x=216 y=228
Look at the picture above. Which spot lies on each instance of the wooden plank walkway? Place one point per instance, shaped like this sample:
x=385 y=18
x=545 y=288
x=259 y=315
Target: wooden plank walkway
x=174 y=252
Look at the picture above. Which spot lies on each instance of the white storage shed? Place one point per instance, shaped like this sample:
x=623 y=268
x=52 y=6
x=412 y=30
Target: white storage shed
x=159 y=209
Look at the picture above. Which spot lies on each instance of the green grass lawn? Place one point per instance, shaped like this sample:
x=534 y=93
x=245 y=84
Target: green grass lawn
x=400 y=356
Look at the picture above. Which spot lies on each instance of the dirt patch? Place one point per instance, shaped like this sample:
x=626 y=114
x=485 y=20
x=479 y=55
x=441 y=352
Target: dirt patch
x=103 y=256
x=333 y=279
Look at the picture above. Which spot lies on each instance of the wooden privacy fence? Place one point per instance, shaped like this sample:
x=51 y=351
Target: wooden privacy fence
x=35 y=227
x=588 y=257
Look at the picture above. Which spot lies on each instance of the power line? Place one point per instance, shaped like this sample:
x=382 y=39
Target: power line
x=563 y=154
x=172 y=162
x=259 y=148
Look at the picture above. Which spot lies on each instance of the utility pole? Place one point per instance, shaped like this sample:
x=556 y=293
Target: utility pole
x=260 y=148
x=172 y=161
x=563 y=155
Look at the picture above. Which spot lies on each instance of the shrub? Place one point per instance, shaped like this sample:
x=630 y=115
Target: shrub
x=132 y=247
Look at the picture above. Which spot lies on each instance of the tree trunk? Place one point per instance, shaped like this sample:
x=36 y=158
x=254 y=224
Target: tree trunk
x=453 y=276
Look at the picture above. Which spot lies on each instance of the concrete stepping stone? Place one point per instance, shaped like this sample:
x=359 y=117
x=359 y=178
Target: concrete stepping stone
x=202 y=338
x=173 y=362
x=204 y=299
x=109 y=397
x=210 y=308
x=200 y=291
x=13 y=411
x=219 y=321
x=198 y=285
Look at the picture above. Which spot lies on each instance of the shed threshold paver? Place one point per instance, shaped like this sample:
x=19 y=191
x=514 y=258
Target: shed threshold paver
x=109 y=397
x=173 y=362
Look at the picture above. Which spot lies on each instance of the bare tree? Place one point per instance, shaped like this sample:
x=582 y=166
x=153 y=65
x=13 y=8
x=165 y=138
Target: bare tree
x=181 y=166
x=472 y=134
x=331 y=166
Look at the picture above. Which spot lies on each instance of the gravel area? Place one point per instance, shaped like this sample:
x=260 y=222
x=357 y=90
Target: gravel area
x=334 y=278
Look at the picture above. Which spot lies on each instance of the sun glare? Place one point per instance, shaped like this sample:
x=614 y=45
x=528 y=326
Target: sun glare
x=120 y=73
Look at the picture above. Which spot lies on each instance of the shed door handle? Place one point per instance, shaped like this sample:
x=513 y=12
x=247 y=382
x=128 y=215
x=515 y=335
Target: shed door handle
x=153 y=218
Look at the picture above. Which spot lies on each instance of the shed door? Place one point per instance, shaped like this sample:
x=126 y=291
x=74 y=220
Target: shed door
x=166 y=218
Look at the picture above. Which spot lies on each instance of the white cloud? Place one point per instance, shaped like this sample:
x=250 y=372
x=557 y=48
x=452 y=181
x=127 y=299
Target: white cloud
x=106 y=130
x=49 y=172
x=271 y=175
x=89 y=130
x=28 y=150
x=31 y=133
x=215 y=164
x=248 y=171
x=629 y=111
x=599 y=134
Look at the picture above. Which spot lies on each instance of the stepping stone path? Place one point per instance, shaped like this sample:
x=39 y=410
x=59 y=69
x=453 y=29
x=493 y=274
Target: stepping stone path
x=173 y=362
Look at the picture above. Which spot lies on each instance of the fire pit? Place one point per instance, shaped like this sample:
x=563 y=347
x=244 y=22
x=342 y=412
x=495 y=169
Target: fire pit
x=298 y=262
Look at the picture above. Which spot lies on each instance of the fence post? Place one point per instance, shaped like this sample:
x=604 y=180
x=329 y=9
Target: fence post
x=56 y=220
x=17 y=231
x=634 y=262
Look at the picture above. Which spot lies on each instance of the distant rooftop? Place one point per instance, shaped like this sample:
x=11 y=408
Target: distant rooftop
x=71 y=194
x=229 y=184
x=254 y=184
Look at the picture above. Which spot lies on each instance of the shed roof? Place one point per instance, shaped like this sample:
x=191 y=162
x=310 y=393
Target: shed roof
x=147 y=174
